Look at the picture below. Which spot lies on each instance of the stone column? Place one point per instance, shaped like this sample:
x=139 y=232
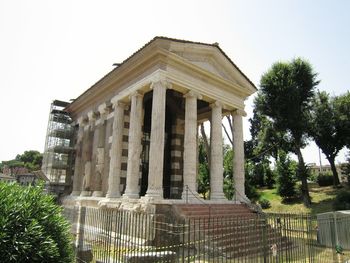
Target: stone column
x=116 y=151
x=190 y=147
x=216 y=154
x=87 y=155
x=77 y=178
x=156 y=152
x=134 y=148
x=238 y=155
x=100 y=151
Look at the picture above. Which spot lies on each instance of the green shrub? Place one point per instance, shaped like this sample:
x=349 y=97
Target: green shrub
x=325 y=179
x=32 y=227
x=264 y=203
x=342 y=201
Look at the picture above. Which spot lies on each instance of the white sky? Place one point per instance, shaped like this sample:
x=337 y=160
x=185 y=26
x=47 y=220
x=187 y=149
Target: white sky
x=56 y=49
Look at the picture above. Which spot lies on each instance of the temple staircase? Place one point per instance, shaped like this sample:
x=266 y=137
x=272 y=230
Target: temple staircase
x=230 y=230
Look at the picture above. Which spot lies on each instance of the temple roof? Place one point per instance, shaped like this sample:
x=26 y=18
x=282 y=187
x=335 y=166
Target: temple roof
x=205 y=57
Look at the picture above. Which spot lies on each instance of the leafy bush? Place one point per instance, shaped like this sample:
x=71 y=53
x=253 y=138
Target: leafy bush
x=264 y=203
x=32 y=227
x=325 y=179
x=342 y=201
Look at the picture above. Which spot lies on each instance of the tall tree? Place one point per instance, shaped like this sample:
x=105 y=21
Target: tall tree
x=287 y=90
x=329 y=127
x=285 y=177
x=343 y=109
x=203 y=168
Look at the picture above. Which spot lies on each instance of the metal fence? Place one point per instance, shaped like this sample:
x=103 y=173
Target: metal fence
x=106 y=235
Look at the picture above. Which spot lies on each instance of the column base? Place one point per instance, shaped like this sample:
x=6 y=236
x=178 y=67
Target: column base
x=155 y=194
x=130 y=196
x=97 y=194
x=218 y=196
x=113 y=195
x=242 y=199
x=75 y=193
x=190 y=196
x=85 y=193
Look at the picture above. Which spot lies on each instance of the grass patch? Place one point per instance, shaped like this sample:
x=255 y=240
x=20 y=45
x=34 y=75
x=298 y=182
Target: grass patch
x=322 y=200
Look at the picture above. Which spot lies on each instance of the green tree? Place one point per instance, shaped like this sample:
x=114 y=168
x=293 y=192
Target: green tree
x=32 y=227
x=270 y=176
x=229 y=188
x=286 y=177
x=287 y=90
x=249 y=187
x=266 y=138
x=203 y=169
x=32 y=159
x=346 y=168
x=329 y=127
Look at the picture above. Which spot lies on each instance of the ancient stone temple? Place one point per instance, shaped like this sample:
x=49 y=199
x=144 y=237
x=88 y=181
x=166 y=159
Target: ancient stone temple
x=137 y=126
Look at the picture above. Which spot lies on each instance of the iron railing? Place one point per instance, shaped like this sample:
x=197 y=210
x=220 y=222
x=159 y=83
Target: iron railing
x=110 y=235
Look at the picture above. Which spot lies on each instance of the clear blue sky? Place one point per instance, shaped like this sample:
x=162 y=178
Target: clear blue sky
x=57 y=49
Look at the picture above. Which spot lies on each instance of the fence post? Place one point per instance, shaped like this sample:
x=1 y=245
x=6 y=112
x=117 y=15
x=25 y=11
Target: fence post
x=186 y=194
x=264 y=227
x=79 y=244
x=335 y=228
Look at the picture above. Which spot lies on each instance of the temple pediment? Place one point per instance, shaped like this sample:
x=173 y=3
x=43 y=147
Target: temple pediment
x=203 y=68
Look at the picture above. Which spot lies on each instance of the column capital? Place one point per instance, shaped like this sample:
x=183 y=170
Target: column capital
x=136 y=94
x=81 y=121
x=216 y=104
x=115 y=103
x=91 y=116
x=194 y=94
x=239 y=112
x=161 y=82
x=103 y=111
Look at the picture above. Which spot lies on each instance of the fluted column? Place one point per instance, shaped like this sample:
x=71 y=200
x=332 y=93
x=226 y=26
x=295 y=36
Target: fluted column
x=156 y=152
x=77 y=178
x=238 y=155
x=134 y=150
x=100 y=151
x=216 y=154
x=116 y=151
x=190 y=147
x=87 y=155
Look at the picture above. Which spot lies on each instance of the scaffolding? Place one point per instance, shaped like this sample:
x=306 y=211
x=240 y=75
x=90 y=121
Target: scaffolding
x=58 y=154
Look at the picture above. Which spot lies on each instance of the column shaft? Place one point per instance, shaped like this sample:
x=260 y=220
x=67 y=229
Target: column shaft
x=87 y=157
x=156 y=152
x=190 y=147
x=134 y=150
x=116 y=151
x=238 y=156
x=77 y=178
x=100 y=132
x=216 y=154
